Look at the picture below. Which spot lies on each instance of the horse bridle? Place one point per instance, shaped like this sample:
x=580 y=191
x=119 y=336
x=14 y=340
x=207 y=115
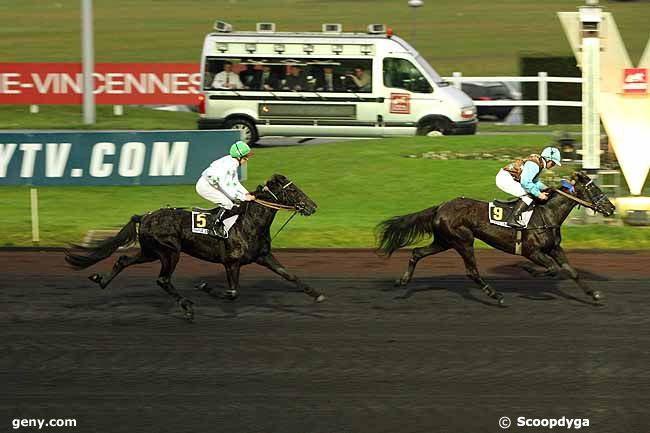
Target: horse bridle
x=596 y=199
x=276 y=206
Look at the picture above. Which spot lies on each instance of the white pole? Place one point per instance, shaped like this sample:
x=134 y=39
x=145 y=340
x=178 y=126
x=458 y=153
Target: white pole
x=34 y=206
x=457 y=80
x=590 y=110
x=542 y=96
x=413 y=28
x=414 y=4
x=88 y=60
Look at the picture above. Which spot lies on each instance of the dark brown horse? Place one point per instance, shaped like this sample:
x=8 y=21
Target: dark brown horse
x=455 y=224
x=165 y=233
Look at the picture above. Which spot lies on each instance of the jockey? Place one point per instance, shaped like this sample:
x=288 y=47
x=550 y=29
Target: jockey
x=219 y=183
x=521 y=179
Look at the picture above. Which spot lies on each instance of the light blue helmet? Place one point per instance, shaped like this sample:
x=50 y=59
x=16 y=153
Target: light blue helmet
x=552 y=154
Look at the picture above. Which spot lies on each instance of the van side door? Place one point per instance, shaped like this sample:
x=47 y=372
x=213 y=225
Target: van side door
x=409 y=96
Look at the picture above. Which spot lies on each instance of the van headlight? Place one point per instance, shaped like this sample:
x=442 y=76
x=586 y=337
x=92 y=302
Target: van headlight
x=468 y=112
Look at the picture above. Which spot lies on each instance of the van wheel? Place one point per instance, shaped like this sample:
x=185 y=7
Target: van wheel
x=250 y=132
x=434 y=128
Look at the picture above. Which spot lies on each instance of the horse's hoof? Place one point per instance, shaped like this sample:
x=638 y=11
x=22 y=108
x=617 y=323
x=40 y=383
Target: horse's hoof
x=203 y=286
x=402 y=282
x=500 y=299
x=320 y=298
x=230 y=295
x=186 y=306
x=597 y=295
x=96 y=278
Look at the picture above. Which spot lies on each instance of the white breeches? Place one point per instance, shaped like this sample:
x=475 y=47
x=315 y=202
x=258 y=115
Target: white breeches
x=212 y=193
x=506 y=183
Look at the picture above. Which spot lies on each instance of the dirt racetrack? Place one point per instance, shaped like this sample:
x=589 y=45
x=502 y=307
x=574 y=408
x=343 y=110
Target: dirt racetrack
x=443 y=360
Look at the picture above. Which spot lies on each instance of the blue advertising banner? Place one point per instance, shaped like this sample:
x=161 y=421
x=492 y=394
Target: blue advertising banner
x=110 y=158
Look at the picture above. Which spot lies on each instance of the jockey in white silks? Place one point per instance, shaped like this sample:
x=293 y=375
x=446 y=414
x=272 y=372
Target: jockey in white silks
x=219 y=183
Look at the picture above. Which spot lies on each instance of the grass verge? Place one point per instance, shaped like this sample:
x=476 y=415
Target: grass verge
x=355 y=184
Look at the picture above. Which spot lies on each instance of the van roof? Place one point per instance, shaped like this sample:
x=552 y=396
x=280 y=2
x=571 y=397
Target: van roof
x=302 y=35
x=312 y=37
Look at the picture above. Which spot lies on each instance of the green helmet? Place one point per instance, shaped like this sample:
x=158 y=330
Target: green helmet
x=240 y=149
x=552 y=154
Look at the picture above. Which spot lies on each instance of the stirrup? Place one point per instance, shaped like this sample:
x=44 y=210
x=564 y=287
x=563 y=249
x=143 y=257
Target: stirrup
x=219 y=232
x=516 y=225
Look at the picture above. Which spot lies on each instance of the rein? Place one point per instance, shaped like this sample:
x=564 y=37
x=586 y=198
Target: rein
x=575 y=199
x=569 y=196
x=276 y=206
x=284 y=225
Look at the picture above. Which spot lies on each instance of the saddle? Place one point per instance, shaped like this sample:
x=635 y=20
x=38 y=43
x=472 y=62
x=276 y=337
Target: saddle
x=500 y=213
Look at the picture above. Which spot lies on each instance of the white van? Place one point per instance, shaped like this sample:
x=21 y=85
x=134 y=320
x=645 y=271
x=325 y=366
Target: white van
x=328 y=84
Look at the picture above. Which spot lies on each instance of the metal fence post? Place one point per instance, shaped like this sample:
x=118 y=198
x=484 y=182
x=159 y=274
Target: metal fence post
x=542 y=96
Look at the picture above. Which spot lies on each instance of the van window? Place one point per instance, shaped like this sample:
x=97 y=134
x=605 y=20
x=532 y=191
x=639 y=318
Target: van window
x=402 y=74
x=288 y=75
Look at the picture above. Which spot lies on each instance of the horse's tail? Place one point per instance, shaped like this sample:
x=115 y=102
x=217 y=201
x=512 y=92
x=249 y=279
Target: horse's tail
x=400 y=231
x=82 y=257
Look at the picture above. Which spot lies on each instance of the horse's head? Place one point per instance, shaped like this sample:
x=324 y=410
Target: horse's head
x=283 y=191
x=587 y=190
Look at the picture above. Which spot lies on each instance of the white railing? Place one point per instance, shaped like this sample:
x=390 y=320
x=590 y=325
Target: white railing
x=542 y=101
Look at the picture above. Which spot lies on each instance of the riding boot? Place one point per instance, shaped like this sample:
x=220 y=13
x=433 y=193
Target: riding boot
x=516 y=214
x=218 y=229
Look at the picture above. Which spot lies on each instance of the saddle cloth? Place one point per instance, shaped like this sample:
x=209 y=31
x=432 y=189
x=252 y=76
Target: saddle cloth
x=203 y=220
x=500 y=211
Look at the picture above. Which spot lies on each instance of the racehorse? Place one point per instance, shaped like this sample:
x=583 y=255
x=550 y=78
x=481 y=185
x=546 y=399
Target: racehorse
x=455 y=224
x=167 y=232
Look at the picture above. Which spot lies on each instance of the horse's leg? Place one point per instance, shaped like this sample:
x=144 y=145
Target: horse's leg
x=559 y=256
x=122 y=263
x=464 y=245
x=542 y=259
x=416 y=255
x=272 y=263
x=232 y=276
x=169 y=259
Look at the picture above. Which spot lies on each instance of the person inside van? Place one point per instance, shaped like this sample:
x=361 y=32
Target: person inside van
x=268 y=80
x=227 y=79
x=361 y=81
x=295 y=80
x=250 y=77
x=328 y=81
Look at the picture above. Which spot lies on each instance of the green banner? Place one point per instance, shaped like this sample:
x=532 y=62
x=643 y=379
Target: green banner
x=110 y=157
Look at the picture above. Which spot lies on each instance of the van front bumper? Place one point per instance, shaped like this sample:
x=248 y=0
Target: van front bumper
x=467 y=127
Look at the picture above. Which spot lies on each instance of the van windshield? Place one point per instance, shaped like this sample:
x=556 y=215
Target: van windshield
x=430 y=71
